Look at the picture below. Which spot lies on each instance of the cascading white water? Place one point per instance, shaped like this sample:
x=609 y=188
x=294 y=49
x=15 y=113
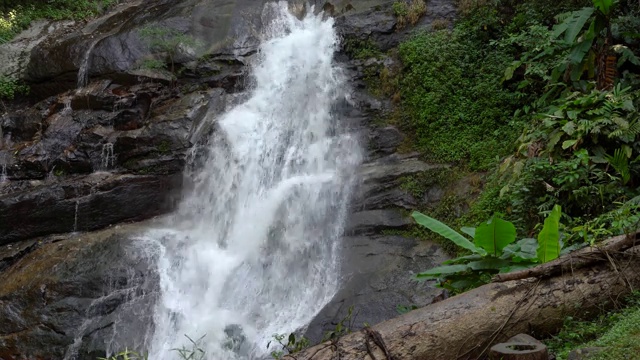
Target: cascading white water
x=83 y=70
x=107 y=157
x=253 y=247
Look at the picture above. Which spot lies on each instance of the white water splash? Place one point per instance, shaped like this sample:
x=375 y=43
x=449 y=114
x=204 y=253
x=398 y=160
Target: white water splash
x=254 y=246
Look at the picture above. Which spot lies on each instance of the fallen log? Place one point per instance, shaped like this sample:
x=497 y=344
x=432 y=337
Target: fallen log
x=466 y=325
x=574 y=260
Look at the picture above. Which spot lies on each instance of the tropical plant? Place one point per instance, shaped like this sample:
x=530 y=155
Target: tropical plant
x=166 y=43
x=493 y=250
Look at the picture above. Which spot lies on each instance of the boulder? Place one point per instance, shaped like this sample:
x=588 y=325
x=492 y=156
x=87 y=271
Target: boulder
x=64 y=296
x=378 y=278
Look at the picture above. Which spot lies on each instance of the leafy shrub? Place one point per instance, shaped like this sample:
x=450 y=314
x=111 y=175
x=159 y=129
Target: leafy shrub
x=9 y=88
x=408 y=13
x=17 y=15
x=453 y=101
x=494 y=249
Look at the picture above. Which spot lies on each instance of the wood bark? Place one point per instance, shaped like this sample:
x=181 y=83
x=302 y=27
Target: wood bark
x=575 y=260
x=465 y=326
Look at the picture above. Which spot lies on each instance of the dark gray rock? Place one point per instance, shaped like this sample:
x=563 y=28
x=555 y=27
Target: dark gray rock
x=139 y=134
x=378 y=276
x=381 y=181
x=61 y=290
x=375 y=221
x=81 y=204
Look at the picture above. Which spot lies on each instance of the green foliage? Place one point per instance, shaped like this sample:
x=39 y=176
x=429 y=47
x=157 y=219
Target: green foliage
x=17 y=15
x=9 y=88
x=343 y=327
x=403 y=309
x=408 y=12
x=295 y=343
x=494 y=235
x=616 y=333
x=549 y=237
x=493 y=250
x=292 y=345
x=361 y=49
x=126 y=355
x=451 y=98
x=193 y=352
x=165 y=42
x=447 y=232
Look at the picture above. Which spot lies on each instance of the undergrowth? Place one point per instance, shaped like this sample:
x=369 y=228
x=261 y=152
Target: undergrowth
x=615 y=333
x=16 y=16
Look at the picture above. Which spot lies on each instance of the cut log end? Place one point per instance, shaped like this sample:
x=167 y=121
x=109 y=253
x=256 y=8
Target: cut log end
x=518 y=351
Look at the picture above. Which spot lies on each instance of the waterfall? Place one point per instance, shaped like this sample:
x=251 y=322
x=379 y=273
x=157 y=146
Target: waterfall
x=253 y=249
x=83 y=70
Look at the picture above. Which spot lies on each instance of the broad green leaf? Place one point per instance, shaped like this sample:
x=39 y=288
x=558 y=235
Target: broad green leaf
x=494 y=235
x=549 y=237
x=603 y=5
x=570 y=126
x=490 y=263
x=463 y=259
x=573 y=24
x=568 y=143
x=523 y=250
x=469 y=231
x=508 y=73
x=508 y=269
x=442 y=229
x=579 y=51
x=442 y=270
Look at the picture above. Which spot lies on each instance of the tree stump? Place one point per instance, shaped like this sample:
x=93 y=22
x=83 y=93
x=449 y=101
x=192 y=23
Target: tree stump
x=518 y=351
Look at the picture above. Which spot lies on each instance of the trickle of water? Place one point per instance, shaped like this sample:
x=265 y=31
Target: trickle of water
x=67 y=107
x=75 y=217
x=3 y=174
x=83 y=70
x=107 y=157
x=253 y=249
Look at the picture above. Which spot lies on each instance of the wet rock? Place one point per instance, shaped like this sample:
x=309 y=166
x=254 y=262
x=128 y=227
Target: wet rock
x=375 y=221
x=76 y=287
x=381 y=181
x=81 y=204
x=384 y=141
x=378 y=277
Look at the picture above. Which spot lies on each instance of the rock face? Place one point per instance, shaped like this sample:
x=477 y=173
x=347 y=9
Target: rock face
x=79 y=160
x=94 y=157
x=62 y=296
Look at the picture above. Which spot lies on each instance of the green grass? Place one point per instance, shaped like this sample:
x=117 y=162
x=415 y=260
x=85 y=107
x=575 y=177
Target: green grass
x=617 y=334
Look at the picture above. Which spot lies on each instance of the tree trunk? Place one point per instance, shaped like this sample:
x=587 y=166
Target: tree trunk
x=465 y=326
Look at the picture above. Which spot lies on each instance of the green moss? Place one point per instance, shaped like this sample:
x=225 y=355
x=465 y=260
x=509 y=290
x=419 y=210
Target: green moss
x=164 y=147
